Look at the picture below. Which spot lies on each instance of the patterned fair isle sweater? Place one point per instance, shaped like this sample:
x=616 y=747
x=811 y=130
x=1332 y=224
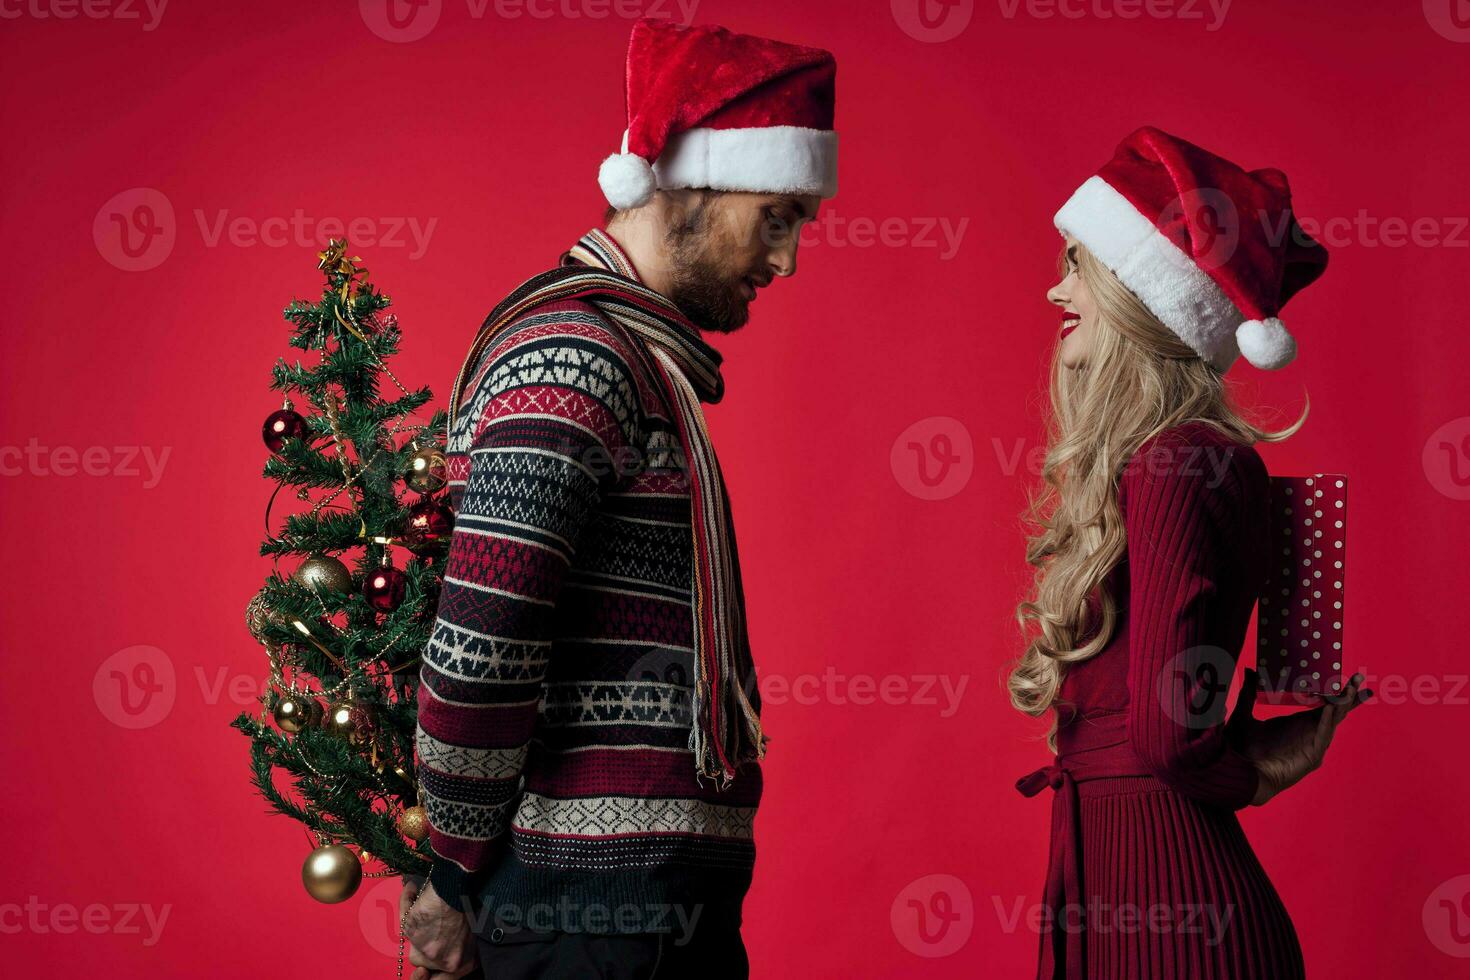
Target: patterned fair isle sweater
x=555 y=696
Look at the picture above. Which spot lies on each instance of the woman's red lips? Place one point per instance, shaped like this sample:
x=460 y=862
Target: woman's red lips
x=1069 y=324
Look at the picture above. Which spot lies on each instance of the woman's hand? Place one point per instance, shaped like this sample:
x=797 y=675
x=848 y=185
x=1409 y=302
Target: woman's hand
x=1286 y=748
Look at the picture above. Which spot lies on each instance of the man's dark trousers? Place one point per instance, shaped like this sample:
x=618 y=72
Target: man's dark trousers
x=705 y=954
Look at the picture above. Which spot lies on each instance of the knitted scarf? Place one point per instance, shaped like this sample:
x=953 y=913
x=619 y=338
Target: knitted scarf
x=726 y=727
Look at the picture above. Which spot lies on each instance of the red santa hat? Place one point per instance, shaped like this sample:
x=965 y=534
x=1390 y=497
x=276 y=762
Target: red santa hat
x=1212 y=250
x=709 y=108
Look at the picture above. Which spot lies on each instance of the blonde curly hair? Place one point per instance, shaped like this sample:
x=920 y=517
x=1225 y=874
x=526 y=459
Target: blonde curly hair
x=1139 y=380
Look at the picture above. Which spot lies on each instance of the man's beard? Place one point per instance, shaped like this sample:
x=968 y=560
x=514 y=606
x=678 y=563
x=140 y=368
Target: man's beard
x=700 y=286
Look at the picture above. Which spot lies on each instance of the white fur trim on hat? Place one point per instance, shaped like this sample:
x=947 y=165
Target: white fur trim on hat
x=1170 y=284
x=767 y=159
x=1266 y=343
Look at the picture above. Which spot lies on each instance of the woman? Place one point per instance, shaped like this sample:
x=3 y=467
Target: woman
x=1151 y=551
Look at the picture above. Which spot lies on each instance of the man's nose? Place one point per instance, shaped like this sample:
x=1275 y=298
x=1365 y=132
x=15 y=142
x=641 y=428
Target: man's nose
x=783 y=261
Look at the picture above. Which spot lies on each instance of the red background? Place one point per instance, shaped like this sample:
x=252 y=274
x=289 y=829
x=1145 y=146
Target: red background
x=493 y=127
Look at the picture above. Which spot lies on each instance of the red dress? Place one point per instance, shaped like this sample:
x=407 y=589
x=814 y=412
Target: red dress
x=1150 y=874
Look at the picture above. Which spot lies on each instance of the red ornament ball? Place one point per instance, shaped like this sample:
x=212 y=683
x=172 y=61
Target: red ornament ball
x=428 y=525
x=383 y=588
x=282 y=425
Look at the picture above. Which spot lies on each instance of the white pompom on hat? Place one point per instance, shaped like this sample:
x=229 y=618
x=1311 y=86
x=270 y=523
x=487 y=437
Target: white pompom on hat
x=1265 y=343
x=711 y=108
x=627 y=180
x=1213 y=250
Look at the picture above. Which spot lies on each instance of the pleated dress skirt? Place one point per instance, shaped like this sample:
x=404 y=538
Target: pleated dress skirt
x=1174 y=890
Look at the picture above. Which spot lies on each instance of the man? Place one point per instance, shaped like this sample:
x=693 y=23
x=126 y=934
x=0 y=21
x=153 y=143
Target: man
x=589 y=728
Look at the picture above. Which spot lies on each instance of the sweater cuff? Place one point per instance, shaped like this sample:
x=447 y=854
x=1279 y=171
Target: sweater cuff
x=455 y=886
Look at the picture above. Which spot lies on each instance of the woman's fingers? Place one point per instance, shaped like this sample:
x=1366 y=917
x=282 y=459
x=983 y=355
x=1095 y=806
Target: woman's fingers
x=1354 y=696
x=1337 y=708
x=1322 y=736
x=1346 y=696
x=1247 y=699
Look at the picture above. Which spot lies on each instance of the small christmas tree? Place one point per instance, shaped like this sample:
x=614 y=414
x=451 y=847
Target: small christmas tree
x=333 y=744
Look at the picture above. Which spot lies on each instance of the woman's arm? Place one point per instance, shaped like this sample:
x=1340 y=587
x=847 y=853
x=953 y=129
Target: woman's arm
x=1180 y=511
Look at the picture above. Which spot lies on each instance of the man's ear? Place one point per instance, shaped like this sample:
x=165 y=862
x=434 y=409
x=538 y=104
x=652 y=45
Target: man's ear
x=675 y=205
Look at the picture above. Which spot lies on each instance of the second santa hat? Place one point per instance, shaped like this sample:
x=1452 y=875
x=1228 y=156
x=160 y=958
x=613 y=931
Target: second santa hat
x=711 y=108
x=1214 y=251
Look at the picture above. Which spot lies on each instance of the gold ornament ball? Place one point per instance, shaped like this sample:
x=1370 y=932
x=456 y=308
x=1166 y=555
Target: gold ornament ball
x=294 y=712
x=428 y=470
x=339 y=718
x=331 y=874
x=323 y=572
x=413 y=823
x=350 y=721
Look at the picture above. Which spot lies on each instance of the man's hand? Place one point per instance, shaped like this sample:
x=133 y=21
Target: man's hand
x=1286 y=748
x=444 y=948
